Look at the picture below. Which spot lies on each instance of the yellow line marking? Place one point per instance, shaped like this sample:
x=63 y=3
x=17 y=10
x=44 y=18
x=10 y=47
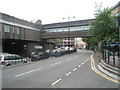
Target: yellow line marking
x=100 y=73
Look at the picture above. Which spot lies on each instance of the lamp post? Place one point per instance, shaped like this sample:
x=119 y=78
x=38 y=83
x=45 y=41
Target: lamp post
x=119 y=35
x=118 y=26
x=68 y=18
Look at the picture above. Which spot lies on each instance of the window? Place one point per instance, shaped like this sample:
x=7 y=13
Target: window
x=6 y=28
x=0 y=27
x=0 y=30
x=13 y=29
x=19 y=33
x=24 y=33
x=66 y=29
x=18 y=30
x=6 y=31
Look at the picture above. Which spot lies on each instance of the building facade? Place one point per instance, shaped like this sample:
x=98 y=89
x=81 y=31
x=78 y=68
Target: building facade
x=69 y=29
x=19 y=36
x=116 y=9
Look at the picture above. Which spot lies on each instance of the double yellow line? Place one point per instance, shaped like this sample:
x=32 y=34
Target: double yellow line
x=100 y=73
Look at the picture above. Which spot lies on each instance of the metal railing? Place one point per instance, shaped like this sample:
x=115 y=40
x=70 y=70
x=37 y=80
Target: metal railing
x=111 y=57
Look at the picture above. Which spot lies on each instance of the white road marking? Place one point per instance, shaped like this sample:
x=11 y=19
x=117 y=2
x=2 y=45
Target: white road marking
x=68 y=73
x=28 y=72
x=55 y=63
x=88 y=59
x=79 y=66
x=56 y=81
x=82 y=63
x=74 y=69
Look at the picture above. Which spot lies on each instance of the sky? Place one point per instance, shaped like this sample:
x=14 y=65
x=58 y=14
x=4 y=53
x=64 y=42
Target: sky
x=52 y=11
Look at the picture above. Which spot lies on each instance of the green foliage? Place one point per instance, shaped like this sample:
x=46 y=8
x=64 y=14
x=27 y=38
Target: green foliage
x=56 y=42
x=104 y=27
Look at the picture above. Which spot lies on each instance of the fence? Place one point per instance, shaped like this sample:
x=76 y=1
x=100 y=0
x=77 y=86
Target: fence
x=111 y=55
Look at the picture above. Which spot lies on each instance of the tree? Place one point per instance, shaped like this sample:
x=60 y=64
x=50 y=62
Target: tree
x=56 y=42
x=103 y=28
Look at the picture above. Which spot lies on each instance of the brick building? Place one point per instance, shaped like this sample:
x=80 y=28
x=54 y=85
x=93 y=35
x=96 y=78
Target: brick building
x=19 y=36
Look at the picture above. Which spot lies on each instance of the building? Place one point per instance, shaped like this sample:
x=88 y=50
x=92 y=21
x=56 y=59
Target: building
x=79 y=43
x=64 y=33
x=69 y=29
x=116 y=9
x=19 y=36
x=64 y=42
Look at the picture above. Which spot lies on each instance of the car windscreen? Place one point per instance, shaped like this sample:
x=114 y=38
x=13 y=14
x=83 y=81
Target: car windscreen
x=14 y=57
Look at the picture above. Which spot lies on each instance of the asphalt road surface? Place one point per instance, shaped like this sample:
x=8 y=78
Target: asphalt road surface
x=69 y=71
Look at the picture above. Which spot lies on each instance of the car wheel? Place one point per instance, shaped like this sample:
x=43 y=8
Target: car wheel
x=7 y=64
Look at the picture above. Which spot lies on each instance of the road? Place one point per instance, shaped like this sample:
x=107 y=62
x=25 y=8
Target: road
x=69 y=71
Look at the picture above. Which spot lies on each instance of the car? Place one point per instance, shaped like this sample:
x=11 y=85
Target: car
x=9 y=59
x=57 y=52
x=36 y=56
x=3 y=53
x=53 y=52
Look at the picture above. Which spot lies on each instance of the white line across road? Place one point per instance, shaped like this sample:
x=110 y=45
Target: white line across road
x=82 y=63
x=56 y=81
x=68 y=73
x=79 y=66
x=74 y=69
x=55 y=63
x=28 y=72
x=88 y=59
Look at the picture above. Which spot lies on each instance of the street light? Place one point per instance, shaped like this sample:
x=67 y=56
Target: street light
x=119 y=35
x=118 y=26
x=68 y=18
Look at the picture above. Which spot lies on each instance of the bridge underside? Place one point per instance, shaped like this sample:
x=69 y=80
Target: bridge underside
x=73 y=34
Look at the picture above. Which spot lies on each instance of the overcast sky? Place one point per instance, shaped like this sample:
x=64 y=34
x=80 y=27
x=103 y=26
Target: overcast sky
x=52 y=11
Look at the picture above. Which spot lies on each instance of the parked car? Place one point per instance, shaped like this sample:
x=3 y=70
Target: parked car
x=3 y=53
x=9 y=59
x=39 y=56
x=57 y=52
x=53 y=52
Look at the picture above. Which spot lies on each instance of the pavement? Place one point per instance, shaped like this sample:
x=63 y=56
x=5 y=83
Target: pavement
x=111 y=71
